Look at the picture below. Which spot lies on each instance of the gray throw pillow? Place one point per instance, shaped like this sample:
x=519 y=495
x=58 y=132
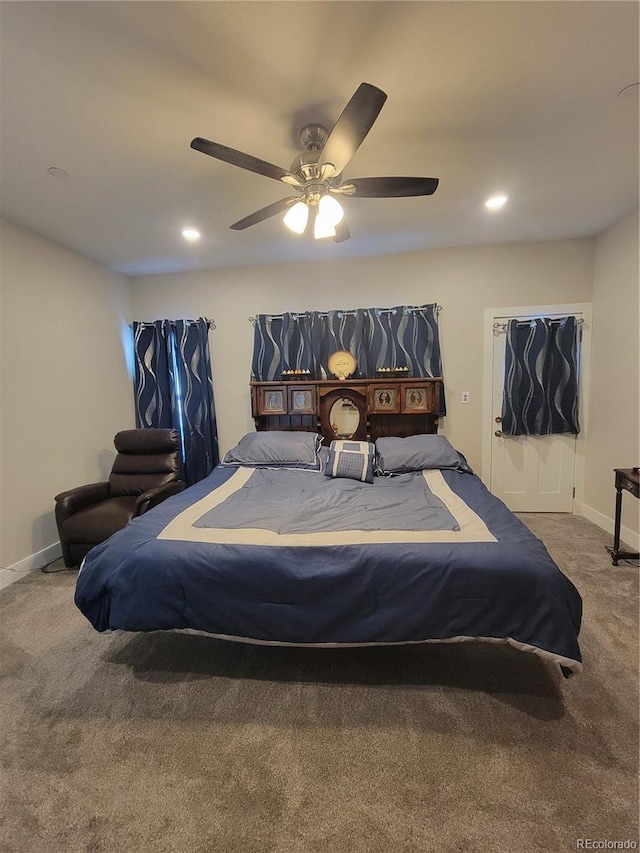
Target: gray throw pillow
x=276 y=449
x=416 y=453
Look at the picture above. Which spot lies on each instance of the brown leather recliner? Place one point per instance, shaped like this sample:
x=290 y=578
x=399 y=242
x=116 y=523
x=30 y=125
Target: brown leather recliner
x=144 y=473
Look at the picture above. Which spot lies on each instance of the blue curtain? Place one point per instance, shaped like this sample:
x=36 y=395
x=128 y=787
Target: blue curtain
x=174 y=388
x=378 y=337
x=154 y=399
x=406 y=336
x=305 y=342
x=338 y=330
x=267 y=348
x=541 y=377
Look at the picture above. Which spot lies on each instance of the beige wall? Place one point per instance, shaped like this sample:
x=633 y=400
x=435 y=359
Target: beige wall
x=65 y=389
x=613 y=439
x=464 y=281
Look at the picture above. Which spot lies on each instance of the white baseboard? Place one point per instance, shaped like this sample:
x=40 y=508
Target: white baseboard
x=38 y=560
x=628 y=536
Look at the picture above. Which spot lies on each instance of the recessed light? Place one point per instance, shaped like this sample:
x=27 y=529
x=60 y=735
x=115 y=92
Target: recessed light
x=190 y=234
x=495 y=202
x=58 y=172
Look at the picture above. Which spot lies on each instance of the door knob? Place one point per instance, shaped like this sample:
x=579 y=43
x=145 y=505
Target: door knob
x=498 y=420
x=499 y=433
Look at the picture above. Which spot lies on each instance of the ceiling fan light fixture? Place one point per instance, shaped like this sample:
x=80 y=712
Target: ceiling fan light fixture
x=330 y=214
x=323 y=227
x=296 y=217
x=318 y=173
x=330 y=209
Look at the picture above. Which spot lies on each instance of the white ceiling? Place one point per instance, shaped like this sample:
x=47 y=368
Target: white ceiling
x=513 y=97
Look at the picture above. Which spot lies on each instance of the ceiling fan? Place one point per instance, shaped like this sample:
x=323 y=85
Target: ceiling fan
x=317 y=174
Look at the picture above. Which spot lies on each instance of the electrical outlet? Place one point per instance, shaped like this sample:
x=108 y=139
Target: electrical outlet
x=464 y=397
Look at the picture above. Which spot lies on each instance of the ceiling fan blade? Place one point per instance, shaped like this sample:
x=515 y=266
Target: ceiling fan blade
x=342 y=232
x=264 y=213
x=244 y=161
x=352 y=126
x=389 y=187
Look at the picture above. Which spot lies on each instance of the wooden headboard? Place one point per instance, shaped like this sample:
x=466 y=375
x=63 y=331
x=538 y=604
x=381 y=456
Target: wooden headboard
x=358 y=408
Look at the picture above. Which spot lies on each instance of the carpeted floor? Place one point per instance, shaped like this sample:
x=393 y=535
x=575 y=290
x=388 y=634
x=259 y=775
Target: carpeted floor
x=172 y=742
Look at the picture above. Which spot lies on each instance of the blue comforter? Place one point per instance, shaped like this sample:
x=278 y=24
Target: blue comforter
x=289 y=557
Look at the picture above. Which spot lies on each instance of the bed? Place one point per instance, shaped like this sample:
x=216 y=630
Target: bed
x=307 y=547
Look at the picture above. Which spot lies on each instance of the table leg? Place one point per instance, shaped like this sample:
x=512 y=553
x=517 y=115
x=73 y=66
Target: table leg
x=616 y=531
x=616 y=553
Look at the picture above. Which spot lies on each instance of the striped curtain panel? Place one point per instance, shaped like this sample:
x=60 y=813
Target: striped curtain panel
x=281 y=342
x=154 y=400
x=268 y=359
x=305 y=342
x=378 y=337
x=541 y=377
x=339 y=330
x=174 y=388
x=405 y=336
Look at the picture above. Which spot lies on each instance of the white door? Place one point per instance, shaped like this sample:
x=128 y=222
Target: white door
x=530 y=473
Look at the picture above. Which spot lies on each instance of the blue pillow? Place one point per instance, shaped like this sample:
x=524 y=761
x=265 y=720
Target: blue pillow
x=277 y=449
x=351 y=459
x=417 y=453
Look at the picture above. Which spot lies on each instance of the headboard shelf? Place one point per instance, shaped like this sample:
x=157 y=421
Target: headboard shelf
x=353 y=408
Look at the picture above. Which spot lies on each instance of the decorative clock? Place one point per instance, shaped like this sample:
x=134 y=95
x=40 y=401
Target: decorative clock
x=342 y=364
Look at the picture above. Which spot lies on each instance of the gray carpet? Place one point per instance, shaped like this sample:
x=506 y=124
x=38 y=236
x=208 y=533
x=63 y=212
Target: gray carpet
x=170 y=742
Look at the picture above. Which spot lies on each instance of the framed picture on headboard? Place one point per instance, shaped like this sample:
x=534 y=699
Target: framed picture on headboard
x=384 y=399
x=302 y=401
x=416 y=398
x=272 y=401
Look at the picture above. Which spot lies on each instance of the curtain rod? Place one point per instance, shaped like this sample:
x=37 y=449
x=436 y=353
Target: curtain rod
x=438 y=309
x=501 y=328
x=210 y=323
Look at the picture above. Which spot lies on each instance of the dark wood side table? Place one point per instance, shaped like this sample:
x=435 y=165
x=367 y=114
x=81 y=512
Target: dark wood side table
x=628 y=480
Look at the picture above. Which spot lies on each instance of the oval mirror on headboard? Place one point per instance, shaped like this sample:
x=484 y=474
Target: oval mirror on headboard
x=343 y=413
x=344 y=418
